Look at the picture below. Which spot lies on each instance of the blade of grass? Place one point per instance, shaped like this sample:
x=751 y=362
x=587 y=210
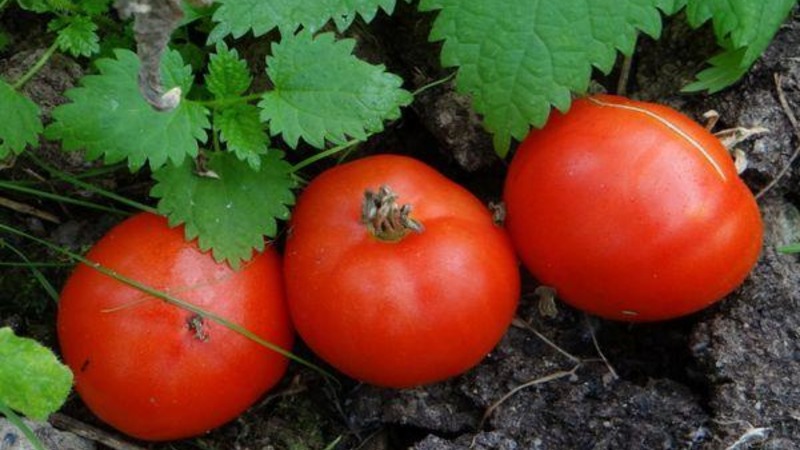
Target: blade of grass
x=789 y=249
x=173 y=301
x=322 y=155
x=59 y=198
x=51 y=291
x=88 y=186
x=17 y=421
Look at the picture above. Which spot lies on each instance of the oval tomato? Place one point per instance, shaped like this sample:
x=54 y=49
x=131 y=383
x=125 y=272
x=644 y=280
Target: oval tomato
x=388 y=305
x=151 y=369
x=631 y=210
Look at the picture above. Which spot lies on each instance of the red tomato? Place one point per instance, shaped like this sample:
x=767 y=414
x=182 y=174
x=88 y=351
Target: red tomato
x=401 y=310
x=151 y=369
x=631 y=210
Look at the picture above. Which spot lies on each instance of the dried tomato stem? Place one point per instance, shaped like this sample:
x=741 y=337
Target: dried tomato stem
x=385 y=219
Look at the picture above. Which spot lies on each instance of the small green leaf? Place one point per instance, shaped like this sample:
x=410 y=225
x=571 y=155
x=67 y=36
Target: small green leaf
x=20 y=118
x=243 y=132
x=520 y=59
x=32 y=380
x=37 y=6
x=322 y=92
x=108 y=116
x=78 y=36
x=230 y=208
x=237 y=17
x=228 y=75
x=94 y=7
x=744 y=29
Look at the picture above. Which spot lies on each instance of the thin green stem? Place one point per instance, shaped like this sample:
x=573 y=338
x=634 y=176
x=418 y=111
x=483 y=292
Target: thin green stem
x=88 y=186
x=33 y=264
x=433 y=84
x=171 y=300
x=51 y=291
x=36 y=67
x=59 y=198
x=790 y=249
x=223 y=102
x=19 y=423
x=322 y=155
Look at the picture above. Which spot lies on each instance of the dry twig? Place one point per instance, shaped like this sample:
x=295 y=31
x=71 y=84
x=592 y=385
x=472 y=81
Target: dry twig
x=793 y=120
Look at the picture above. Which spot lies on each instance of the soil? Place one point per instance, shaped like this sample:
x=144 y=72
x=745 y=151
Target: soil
x=725 y=378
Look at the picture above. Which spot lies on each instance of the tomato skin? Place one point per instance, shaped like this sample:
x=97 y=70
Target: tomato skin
x=405 y=313
x=138 y=364
x=631 y=210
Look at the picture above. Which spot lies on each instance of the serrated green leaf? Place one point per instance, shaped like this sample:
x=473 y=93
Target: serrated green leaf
x=744 y=29
x=94 y=7
x=231 y=211
x=518 y=60
x=20 y=118
x=108 y=116
x=243 y=132
x=726 y=68
x=237 y=17
x=228 y=75
x=78 y=36
x=32 y=380
x=322 y=92
x=37 y=6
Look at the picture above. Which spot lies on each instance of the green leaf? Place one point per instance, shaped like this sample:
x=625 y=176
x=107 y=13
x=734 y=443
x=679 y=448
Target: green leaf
x=520 y=57
x=20 y=119
x=231 y=207
x=32 y=380
x=237 y=17
x=243 y=132
x=94 y=7
x=744 y=28
x=228 y=75
x=77 y=36
x=322 y=92
x=37 y=6
x=108 y=116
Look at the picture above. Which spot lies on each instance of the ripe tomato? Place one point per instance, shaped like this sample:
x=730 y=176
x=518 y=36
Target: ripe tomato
x=151 y=369
x=391 y=306
x=631 y=210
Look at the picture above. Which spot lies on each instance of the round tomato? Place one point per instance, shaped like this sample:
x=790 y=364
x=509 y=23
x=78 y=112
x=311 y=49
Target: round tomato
x=395 y=275
x=631 y=210
x=156 y=371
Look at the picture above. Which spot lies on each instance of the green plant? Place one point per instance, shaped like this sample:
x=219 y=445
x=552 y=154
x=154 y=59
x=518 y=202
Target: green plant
x=214 y=150
x=631 y=211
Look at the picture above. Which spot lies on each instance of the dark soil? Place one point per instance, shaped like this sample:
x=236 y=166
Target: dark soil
x=726 y=378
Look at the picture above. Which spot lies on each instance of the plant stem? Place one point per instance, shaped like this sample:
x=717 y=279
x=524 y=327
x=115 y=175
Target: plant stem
x=88 y=186
x=220 y=103
x=3 y=4
x=433 y=84
x=172 y=300
x=19 y=423
x=36 y=67
x=322 y=155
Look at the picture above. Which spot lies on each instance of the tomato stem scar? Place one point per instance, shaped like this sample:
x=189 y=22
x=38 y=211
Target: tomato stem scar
x=671 y=127
x=384 y=218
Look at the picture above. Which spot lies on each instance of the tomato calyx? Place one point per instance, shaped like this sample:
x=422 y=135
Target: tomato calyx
x=384 y=218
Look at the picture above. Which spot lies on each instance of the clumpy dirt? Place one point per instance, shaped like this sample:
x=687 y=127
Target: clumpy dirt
x=725 y=378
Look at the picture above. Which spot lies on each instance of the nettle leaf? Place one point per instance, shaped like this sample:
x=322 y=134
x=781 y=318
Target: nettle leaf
x=77 y=35
x=241 y=129
x=32 y=380
x=322 y=92
x=520 y=59
x=20 y=118
x=228 y=75
x=744 y=29
x=231 y=207
x=237 y=17
x=108 y=116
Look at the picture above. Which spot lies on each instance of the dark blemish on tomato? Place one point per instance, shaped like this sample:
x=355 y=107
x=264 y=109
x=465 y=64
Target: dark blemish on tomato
x=198 y=326
x=85 y=365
